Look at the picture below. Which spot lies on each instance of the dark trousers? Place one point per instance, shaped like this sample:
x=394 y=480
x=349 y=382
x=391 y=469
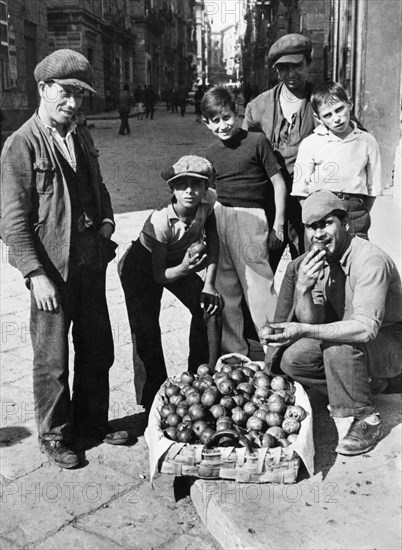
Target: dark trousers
x=149 y=111
x=124 y=127
x=294 y=234
x=83 y=305
x=143 y=300
x=342 y=371
x=182 y=105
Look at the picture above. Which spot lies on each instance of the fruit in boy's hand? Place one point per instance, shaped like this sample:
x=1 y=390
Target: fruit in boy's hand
x=197 y=248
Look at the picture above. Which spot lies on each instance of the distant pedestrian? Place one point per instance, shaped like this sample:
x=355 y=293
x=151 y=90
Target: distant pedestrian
x=168 y=97
x=124 y=109
x=199 y=94
x=80 y=118
x=149 y=102
x=175 y=100
x=139 y=100
x=182 y=98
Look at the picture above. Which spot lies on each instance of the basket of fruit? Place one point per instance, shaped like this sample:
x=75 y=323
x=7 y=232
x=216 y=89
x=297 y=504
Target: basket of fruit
x=232 y=422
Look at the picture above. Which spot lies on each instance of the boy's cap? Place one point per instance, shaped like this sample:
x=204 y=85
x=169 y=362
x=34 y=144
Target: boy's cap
x=190 y=165
x=66 y=67
x=319 y=204
x=290 y=48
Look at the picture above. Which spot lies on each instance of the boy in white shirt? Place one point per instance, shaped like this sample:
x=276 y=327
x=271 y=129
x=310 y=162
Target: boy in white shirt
x=339 y=157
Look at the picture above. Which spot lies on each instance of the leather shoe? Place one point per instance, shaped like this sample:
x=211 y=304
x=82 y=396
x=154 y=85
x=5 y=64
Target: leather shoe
x=59 y=453
x=360 y=438
x=121 y=437
x=105 y=434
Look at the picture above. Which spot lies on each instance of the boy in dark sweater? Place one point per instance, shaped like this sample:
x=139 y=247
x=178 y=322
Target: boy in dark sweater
x=250 y=190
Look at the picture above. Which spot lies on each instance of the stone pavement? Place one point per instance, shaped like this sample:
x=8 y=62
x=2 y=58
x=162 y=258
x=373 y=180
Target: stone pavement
x=109 y=503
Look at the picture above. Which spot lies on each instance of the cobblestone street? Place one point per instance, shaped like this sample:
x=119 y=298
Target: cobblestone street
x=109 y=502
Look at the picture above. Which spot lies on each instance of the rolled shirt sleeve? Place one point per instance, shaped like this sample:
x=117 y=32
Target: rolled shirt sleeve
x=370 y=293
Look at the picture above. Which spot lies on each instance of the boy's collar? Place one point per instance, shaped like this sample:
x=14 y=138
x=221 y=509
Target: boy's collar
x=322 y=130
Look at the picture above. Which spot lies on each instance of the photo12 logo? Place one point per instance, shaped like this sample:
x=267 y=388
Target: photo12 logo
x=225 y=12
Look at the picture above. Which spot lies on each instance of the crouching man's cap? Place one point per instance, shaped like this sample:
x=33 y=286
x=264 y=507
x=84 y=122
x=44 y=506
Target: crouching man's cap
x=66 y=67
x=190 y=165
x=319 y=204
x=291 y=48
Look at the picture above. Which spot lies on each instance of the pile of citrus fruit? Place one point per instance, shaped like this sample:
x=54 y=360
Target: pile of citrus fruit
x=240 y=397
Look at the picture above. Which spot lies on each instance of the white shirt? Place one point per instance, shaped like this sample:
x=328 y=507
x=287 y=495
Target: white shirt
x=67 y=149
x=290 y=104
x=350 y=165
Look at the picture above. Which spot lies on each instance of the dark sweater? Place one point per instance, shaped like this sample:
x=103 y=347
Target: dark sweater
x=244 y=165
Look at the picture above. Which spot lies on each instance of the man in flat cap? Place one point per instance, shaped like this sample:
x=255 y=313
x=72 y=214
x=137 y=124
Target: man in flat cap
x=347 y=333
x=57 y=220
x=285 y=115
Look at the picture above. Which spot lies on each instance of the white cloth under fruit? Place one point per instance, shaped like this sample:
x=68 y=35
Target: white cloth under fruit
x=159 y=445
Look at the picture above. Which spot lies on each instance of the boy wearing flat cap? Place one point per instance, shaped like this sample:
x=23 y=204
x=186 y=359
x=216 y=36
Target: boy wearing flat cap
x=347 y=334
x=164 y=257
x=285 y=115
x=57 y=220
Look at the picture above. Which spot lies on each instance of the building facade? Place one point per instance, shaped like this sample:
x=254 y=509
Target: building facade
x=23 y=42
x=148 y=42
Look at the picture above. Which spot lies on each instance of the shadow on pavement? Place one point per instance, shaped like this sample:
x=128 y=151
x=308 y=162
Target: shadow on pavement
x=13 y=434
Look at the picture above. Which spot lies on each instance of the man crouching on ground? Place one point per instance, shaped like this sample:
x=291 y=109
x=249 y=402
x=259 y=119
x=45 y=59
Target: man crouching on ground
x=348 y=307
x=57 y=220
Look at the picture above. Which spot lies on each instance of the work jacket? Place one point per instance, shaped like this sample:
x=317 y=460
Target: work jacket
x=35 y=201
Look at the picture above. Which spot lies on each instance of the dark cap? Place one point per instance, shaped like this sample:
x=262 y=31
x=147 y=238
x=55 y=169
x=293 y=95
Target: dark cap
x=319 y=205
x=190 y=165
x=66 y=67
x=291 y=48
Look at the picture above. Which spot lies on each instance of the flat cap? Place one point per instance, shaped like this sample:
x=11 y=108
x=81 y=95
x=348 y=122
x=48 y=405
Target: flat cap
x=319 y=204
x=190 y=165
x=290 y=48
x=66 y=67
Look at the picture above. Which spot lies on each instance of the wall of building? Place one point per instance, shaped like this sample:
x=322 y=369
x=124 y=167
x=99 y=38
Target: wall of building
x=379 y=106
x=27 y=26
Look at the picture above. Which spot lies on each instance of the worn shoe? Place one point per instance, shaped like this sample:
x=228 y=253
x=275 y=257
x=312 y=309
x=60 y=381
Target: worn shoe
x=360 y=438
x=59 y=453
x=121 y=437
x=105 y=434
